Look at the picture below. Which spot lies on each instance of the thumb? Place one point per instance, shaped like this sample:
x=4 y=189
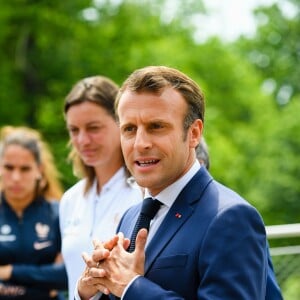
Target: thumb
x=139 y=252
x=141 y=240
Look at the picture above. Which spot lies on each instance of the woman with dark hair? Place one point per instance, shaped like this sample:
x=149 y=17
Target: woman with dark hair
x=31 y=266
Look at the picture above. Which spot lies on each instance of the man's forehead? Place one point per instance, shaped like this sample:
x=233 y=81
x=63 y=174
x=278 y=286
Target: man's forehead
x=151 y=105
x=145 y=115
x=169 y=96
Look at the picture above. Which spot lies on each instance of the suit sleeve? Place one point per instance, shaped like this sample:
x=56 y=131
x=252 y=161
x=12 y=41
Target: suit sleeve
x=49 y=276
x=233 y=261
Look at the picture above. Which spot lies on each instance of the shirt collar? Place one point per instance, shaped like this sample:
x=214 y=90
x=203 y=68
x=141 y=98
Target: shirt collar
x=170 y=193
x=111 y=183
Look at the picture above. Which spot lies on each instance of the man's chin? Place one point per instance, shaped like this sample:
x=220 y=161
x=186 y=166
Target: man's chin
x=143 y=182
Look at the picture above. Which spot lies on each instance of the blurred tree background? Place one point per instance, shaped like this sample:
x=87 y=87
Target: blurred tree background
x=252 y=85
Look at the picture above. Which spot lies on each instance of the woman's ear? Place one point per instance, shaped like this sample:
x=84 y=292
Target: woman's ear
x=39 y=175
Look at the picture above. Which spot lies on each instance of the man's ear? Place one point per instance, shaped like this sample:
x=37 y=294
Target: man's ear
x=196 y=130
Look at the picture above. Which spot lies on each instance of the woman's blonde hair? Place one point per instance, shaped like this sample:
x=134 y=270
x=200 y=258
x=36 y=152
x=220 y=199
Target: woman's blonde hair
x=99 y=90
x=49 y=185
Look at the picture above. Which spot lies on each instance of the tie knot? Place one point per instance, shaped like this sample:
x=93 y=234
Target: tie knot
x=150 y=207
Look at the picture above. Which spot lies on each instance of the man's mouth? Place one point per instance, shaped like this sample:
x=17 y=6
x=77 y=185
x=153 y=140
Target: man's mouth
x=146 y=163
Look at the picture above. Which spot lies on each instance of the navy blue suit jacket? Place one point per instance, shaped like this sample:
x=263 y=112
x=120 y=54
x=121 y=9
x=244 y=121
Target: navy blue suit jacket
x=211 y=245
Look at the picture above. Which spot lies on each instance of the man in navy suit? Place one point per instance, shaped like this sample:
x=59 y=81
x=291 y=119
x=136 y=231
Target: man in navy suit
x=206 y=242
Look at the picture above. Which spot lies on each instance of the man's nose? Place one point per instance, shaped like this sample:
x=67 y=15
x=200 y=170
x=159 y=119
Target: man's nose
x=142 y=139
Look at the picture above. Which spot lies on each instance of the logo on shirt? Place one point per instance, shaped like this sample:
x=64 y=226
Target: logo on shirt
x=42 y=230
x=5 y=229
x=42 y=245
x=6 y=234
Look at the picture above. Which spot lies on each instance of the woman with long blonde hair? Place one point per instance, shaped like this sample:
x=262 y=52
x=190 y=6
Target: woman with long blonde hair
x=92 y=208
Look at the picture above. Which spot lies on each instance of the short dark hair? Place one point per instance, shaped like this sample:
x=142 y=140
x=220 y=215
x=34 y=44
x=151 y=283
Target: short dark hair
x=155 y=79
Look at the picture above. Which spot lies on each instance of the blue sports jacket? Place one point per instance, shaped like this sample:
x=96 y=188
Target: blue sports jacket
x=31 y=244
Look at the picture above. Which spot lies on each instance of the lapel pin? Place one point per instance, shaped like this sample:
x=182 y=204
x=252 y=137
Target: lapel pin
x=178 y=215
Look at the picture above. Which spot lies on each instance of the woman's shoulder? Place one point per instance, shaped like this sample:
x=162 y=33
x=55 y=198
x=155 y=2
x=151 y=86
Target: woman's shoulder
x=72 y=196
x=54 y=204
x=46 y=206
x=76 y=189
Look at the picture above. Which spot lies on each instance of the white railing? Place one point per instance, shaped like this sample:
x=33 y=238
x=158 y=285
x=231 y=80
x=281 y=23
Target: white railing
x=283 y=231
x=286 y=259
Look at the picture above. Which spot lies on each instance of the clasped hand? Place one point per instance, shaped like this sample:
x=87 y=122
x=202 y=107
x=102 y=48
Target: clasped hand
x=110 y=268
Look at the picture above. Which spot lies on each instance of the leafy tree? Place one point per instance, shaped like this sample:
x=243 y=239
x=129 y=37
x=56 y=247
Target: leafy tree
x=47 y=46
x=275 y=49
x=274 y=52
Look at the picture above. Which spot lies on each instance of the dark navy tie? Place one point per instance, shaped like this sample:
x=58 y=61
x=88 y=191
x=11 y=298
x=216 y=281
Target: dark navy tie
x=149 y=209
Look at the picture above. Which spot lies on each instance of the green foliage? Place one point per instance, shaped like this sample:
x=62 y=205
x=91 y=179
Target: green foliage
x=279 y=165
x=275 y=49
x=291 y=288
x=274 y=53
x=46 y=46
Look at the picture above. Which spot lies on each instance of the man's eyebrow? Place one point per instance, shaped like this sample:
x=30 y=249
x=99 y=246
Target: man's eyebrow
x=126 y=125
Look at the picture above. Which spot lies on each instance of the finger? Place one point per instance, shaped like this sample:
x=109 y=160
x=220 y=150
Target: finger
x=85 y=256
x=91 y=280
x=97 y=272
x=141 y=240
x=99 y=255
x=121 y=238
x=101 y=288
x=109 y=245
x=126 y=243
x=88 y=260
x=97 y=244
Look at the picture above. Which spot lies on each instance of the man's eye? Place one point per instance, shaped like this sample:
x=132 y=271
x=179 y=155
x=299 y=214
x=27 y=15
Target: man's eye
x=156 y=126
x=128 y=129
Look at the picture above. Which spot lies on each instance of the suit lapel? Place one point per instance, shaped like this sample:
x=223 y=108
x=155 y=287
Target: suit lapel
x=176 y=217
x=178 y=214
